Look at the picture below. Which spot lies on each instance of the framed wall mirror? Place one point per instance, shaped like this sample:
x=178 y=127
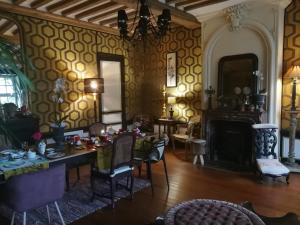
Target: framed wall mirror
x=235 y=74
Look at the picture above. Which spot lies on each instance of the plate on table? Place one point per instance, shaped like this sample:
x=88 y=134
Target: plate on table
x=14 y=164
x=8 y=151
x=56 y=155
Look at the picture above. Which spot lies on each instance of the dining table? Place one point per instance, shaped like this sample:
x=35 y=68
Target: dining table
x=72 y=156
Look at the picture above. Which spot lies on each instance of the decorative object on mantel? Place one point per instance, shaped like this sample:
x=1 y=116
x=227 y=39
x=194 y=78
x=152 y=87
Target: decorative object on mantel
x=94 y=86
x=259 y=95
x=171 y=102
x=58 y=125
x=144 y=25
x=293 y=73
x=210 y=92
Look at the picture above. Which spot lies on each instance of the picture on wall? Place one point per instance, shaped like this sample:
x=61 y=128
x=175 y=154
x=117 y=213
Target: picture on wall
x=171 y=70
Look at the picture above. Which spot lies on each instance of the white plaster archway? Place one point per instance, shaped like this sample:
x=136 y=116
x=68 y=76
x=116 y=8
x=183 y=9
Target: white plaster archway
x=266 y=36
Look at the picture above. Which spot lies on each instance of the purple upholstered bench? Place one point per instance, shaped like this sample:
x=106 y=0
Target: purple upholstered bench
x=210 y=212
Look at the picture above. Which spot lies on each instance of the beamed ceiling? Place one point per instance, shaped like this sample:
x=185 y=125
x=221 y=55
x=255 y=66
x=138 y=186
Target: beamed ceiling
x=99 y=14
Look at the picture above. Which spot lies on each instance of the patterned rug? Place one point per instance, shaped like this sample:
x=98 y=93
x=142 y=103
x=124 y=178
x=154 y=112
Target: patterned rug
x=75 y=203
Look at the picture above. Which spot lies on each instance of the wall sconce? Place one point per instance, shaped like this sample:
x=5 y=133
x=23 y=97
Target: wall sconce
x=171 y=102
x=293 y=73
x=94 y=86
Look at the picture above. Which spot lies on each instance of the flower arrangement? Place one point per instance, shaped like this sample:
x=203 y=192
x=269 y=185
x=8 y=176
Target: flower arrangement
x=57 y=98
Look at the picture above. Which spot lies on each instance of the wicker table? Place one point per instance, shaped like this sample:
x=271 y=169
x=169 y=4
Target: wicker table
x=210 y=212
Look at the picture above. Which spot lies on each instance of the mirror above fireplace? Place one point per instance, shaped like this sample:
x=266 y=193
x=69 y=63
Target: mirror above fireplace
x=235 y=74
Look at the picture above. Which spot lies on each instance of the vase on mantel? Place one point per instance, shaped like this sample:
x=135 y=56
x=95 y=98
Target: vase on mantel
x=58 y=135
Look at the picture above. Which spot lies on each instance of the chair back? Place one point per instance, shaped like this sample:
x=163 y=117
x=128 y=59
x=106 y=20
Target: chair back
x=122 y=153
x=33 y=190
x=96 y=128
x=265 y=140
x=157 y=150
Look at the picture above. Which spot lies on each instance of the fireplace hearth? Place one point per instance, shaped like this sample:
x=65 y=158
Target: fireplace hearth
x=229 y=138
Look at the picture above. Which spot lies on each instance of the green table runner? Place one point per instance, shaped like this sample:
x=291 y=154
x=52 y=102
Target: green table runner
x=13 y=168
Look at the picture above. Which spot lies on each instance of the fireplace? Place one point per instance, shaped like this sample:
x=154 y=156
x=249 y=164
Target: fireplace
x=229 y=138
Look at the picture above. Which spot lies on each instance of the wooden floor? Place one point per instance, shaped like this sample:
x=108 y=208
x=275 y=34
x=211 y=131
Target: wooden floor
x=190 y=182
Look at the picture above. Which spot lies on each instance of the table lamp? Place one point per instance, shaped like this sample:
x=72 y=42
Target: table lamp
x=94 y=86
x=171 y=102
x=293 y=73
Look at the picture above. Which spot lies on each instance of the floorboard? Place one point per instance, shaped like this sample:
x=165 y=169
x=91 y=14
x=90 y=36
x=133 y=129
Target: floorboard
x=189 y=182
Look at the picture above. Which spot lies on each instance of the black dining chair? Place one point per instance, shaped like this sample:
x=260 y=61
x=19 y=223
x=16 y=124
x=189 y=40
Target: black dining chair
x=121 y=167
x=154 y=154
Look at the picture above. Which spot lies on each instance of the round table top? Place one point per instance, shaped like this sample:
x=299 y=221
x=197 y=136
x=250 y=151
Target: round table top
x=210 y=212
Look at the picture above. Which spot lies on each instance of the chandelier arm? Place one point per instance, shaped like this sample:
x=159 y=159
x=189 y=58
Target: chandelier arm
x=134 y=20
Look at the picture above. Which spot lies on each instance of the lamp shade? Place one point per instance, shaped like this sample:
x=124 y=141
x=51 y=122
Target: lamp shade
x=171 y=100
x=293 y=72
x=94 y=85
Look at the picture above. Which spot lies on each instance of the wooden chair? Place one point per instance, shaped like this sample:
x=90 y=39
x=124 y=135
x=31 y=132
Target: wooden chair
x=265 y=140
x=150 y=155
x=121 y=166
x=96 y=129
x=184 y=133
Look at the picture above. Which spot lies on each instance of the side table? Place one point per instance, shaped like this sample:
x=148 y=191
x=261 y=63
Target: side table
x=168 y=125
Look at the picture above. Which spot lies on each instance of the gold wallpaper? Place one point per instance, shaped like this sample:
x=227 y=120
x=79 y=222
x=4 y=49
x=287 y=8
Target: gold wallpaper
x=187 y=44
x=291 y=56
x=59 y=50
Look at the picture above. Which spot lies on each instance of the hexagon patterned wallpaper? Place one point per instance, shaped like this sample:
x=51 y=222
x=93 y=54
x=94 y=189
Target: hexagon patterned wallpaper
x=187 y=44
x=59 y=50
x=291 y=57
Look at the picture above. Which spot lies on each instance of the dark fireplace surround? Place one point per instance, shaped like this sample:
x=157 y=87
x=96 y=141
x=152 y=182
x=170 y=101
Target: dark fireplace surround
x=229 y=138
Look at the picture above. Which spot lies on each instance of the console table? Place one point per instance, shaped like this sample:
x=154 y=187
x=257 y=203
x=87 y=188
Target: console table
x=168 y=125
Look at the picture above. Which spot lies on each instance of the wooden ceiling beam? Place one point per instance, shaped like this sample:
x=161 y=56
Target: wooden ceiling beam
x=130 y=15
x=108 y=13
x=96 y=10
x=187 y=2
x=7 y=7
x=80 y=7
x=202 y=4
x=61 y=5
x=39 y=3
x=11 y=39
x=18 y=2
x=174 y=1
x=178 y=16
x=6 y=26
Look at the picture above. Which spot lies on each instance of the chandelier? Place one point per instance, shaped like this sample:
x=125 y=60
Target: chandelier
x=144 y=25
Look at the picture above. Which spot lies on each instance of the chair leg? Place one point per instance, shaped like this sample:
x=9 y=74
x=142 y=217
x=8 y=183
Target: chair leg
x=24 y=218
x=112 y=192
x=140 y=169
x=287 y=179
x=201 y=160
x=48 y=213
x=67 y=180
x=149 y=172
x=13 y=218
x=131 y=185
x=195 y=159
x=166 y=172
x=59 y=213
x=173 y=143
x=78 y=173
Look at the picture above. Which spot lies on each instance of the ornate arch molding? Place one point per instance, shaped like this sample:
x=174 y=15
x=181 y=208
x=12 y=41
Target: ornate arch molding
x=269 y=43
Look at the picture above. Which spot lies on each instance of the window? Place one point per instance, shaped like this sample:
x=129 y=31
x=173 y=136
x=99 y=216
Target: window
x=8 y=89
x=111 y=69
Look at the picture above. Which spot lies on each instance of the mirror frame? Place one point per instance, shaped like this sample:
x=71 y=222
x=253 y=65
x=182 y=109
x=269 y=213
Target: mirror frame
x=232 y=58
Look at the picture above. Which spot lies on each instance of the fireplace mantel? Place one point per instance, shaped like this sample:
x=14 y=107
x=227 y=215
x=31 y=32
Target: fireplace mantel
x=229 y=137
